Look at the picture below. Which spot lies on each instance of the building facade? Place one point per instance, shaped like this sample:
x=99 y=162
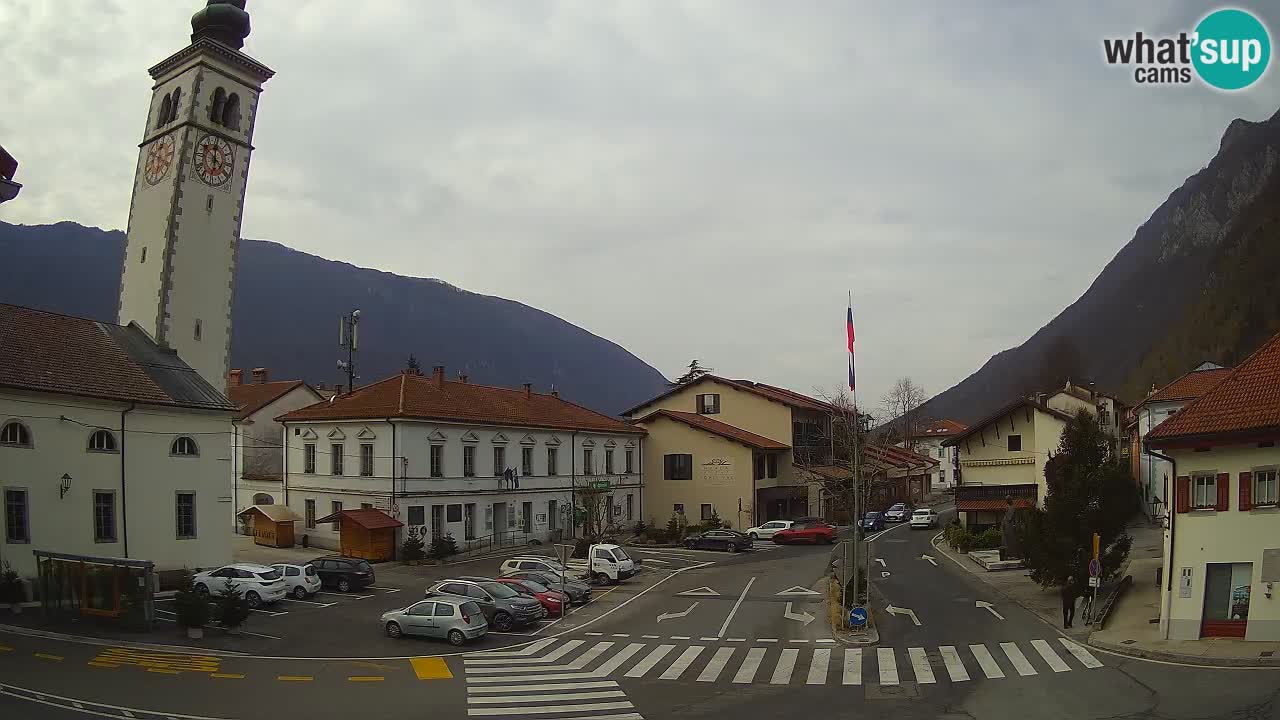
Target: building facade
x=483 y=464
x=929 y=442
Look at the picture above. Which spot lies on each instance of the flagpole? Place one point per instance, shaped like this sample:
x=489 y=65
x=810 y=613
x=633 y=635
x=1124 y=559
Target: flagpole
x=857 y=478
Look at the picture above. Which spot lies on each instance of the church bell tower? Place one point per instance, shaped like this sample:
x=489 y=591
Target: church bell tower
x=188 y=191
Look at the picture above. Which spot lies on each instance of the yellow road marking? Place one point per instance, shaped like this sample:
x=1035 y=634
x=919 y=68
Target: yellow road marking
x=227 y=676
x=165 y=671
x=366 y=678
x=5 y=648
x=47 y=656
x=94 y=663
x=295 y=678
x=157 y=660
x=430 y=668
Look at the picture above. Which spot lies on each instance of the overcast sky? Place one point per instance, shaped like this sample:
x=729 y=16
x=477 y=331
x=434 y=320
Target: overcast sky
x=688 y=179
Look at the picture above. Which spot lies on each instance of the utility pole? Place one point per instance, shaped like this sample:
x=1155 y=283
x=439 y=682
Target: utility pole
x=348 y=337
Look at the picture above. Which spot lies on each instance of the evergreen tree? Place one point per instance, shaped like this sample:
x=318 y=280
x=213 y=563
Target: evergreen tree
x=231 y=606
x=443 y=546
x=412 y=365
x=694 y=372
x=411 y=548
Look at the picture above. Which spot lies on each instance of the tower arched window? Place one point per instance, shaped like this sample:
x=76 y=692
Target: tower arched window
x=166 y=106
x=231 y=113
x=15 y=434
x=173 y=109
x=184 y=446
x=102 y=441
x=218 y=105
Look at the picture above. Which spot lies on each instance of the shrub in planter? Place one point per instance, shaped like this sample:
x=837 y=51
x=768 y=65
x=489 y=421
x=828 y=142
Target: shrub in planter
x=411 y=549
x=11 y=589
x=442 y=547
x=989 y=539
x=192 y=609
x=232 y=607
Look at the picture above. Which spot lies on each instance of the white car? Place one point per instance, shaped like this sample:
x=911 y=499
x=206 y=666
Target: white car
x=898 y=512
x=300 y=581
x=766 y=530
x=257 y=583
x=924 y=518
x=537 y=563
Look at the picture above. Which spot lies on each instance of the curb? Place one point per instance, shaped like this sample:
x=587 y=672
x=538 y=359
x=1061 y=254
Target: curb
x=1166 y=656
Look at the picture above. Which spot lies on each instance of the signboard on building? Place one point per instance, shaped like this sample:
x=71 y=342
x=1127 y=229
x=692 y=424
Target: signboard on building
x=1184 y=583
x=718 y=472
x=598 y=484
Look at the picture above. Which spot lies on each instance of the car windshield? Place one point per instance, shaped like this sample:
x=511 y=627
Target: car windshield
x=873 y=515
x=270 y=575
x=498 y=590
x=922 y=512
x=898 y=506
x=621 y=554
x=535 y=587
x=470 y=608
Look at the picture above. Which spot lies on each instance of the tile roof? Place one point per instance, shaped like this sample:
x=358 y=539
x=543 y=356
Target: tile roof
x=715 y=427
x=942 y=428
x=997 y=415
x=1190 y=386
x=770 y=392
x=252 y=397
x=988 y=504
x=1246 y=400
x=426 y=397
x=47 y=352
x=274 y=513
x=898 y=457
x=367 y=518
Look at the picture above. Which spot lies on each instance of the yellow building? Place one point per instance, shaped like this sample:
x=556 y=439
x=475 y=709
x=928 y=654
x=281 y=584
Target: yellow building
x=1222 y=536
x=730 y=447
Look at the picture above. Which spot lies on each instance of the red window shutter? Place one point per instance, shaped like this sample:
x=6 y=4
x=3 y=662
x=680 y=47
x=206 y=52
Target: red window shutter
x=1182 y=502
x=1246 y=488
x=1224 y=492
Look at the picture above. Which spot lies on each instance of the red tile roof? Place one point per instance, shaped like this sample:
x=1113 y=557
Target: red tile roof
x=941 y=428
x=1189 y=386
x=769 y=392
x=898 y=457
x=715 y=427
x=980 y=504
x=425 y=397
x=367 y=518
x=253 y=397
x=1246 y=401
x=47 y=352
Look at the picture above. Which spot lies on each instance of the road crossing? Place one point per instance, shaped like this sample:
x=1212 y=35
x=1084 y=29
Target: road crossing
x=551 y=662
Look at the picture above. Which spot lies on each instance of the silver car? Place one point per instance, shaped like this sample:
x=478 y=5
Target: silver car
x=454 y=619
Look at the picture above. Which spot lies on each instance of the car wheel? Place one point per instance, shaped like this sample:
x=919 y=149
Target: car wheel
x=691 y=545
x=201 y=590
x=502 y=622
x=733 y=548
x=457 y=638
x=254 y=600
x=300 y=592
x=601 y=579
x=344 y=585
x=394 y=630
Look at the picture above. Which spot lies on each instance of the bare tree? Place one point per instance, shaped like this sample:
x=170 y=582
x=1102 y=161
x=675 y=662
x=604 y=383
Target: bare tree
x=833 y=451
x=902 y=406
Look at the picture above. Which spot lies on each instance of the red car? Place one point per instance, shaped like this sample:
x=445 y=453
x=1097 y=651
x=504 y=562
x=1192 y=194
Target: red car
x=553 y=601
x=810 y=532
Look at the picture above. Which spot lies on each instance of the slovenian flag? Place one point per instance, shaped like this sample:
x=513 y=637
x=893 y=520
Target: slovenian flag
x=850 y=326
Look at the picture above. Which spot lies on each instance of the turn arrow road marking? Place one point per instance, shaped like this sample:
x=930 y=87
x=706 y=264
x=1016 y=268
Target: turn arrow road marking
x=930 y=559
x=668 y=616
x=703 y=591
x=797 y=590
x=884 y=574
x=881 y=561
x=904 y=611
x=987 y=605
x=801 y=616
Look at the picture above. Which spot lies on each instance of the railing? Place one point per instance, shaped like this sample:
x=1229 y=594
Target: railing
x=503 y=539
x=996 y=492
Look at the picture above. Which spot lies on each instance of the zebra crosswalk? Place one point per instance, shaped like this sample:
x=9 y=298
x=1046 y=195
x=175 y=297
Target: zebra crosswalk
x=550 y=662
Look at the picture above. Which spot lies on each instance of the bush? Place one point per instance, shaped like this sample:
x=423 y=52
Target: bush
x=961 y=539
x=192 y=609
x=11 y=590
x=411 y=548
x=231 y=606
x=659 y=535
x=443 y=546
x=989 y=539
x=673 y=527
x=640 y=527
x=713 y=523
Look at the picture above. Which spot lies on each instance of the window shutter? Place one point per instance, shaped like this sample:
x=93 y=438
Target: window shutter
x=1182 y=502
x=666 y=467
x=1224 y=491
x=1246 y=487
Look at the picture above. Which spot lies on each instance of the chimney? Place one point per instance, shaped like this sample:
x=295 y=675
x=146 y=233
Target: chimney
x=235 y=378
x=259 y=375
x=437 y=374
x=555 y=394
x=462 y=377
x=528 y=389
x=320 y=387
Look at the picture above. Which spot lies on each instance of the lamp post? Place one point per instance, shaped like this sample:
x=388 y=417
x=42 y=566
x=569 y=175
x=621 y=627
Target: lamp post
x=65 y=487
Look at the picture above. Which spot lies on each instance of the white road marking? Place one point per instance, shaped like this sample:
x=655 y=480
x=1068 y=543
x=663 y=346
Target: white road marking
x=649 y=661
x=824 y=640
x=768 y=640
x=554 y=697
x=798 y=641
x=786 y=665
x=386 y=589
x=735 y=639
x=680 y=637
x=1020 y=661
x=988 y=664
x=716 y=665
x=955 y=667
x=649 y=637
x=617 y=660
x=544 y=709
x=542 y=677
x=709 y=639
x=725 y=627
x=1085 y=657
x=594 y=634
x=532 y=649
x=852 y=666
x=345 y=595
x=920 y=664
x=747 y=672
x=887 y=663
x=818 y=667
x=550 y=657
x=621 y=635
x=682 y=663
x=546 y=686
x=656 y=560
x=308 y=602
x=589 y=656
x=1050 y=657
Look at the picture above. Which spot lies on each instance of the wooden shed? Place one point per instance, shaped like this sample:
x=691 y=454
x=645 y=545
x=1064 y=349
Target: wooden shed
x=365 y=533
x=271 y=525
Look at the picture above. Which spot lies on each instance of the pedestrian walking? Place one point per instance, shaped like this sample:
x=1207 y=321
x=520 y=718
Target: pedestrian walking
x=1069 y=594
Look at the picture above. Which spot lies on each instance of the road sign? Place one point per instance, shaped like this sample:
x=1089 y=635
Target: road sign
x=858 y=617
x=1095 y=568
x=598 y=485
x=1095 y=582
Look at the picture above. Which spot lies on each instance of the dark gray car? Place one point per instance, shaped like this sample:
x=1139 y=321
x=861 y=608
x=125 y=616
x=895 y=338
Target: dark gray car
x=578 y=592
x=503 y=607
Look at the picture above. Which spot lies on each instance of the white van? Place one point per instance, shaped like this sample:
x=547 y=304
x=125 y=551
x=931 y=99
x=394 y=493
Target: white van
x=610 y=564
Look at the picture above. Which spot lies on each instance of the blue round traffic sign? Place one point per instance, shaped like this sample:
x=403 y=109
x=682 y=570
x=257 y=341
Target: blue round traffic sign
x=1095 y=568
x=858 y=616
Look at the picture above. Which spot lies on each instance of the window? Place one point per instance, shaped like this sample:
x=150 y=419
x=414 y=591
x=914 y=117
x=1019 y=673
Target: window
x=453 y=513
x=608 y=462
x=444 y=610
x=104 y=516
x=1104 y=417
x=709 y=404
x=627 y=458
x=231 y=113
x=772 y=460
x=165 y=106
x=335 y=459
x=335 y=507
x=499 y=461
x=208 y=203
x=552 y=456
x=15 y=433
x=1204 y=491
x=102 y=441
x=526 y=461
x=185 y=515
x=217 y=105
x=469 y=460
x=309 y=458
x=366 y=506
x=309 y=513
x=17 y=526
x=1015 y=443
x=366 y=459
x=184 y=446
x=678 y=508
x=173 y=109
x=588 y=466
x=677 y=467
x=437 y=461
x=707 y=512
x=417 y=515
x=759 y=463
x=197 y=329
x=942 y=452
x=1264 y=488
x=631 y=511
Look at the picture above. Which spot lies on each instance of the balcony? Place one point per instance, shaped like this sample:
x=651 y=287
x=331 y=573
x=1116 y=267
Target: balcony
x=970 y=498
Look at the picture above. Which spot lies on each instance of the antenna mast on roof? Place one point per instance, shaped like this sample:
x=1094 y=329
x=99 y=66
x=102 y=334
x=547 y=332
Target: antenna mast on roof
x=349 y=338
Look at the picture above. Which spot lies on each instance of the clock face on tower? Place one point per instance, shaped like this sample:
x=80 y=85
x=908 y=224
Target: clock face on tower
x=159 y=158
x=214 y=160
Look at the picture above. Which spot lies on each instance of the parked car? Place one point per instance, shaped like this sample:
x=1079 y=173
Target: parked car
x=730 y=540
x=809 y=519
x=806 y=532
x=579 y=592
x=300 y=581
x=344 y=573
x=872 y=522
x=257 y=583
x=607 y=563
x=898 y=512
x=764 y=531
x=553 y=601
x=503 y=607
x=454 y=619
x=924 y=518
x=537 y=563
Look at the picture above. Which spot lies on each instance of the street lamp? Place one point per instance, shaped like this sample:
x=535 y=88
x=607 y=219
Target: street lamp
x=65 y=487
